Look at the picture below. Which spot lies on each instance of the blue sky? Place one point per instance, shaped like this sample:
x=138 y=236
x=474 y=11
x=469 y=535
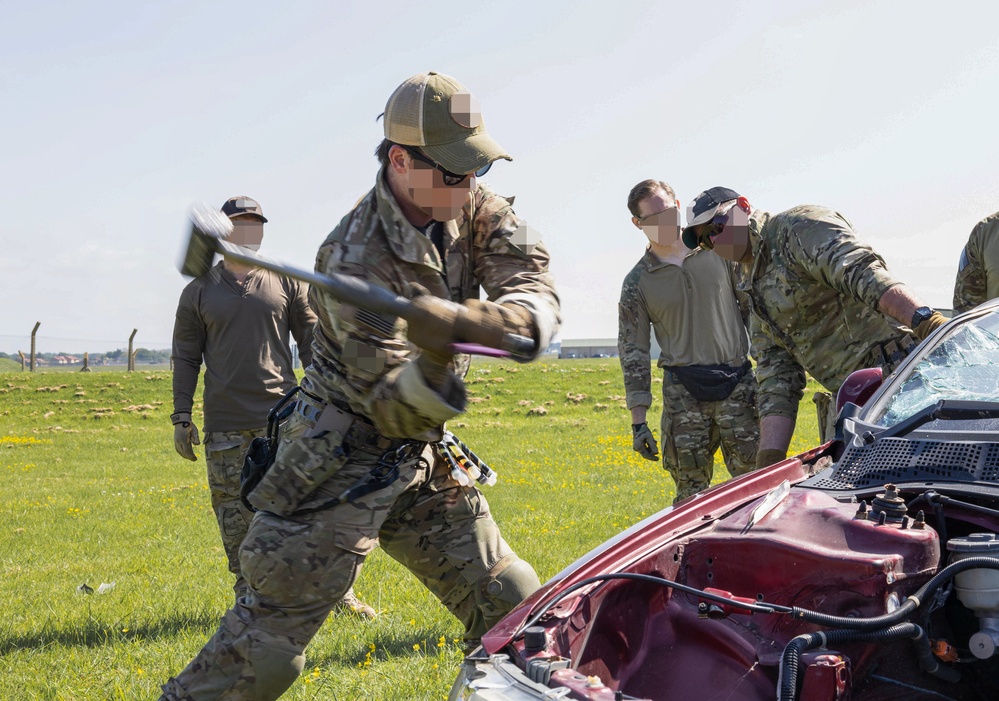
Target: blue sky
x=117 y=116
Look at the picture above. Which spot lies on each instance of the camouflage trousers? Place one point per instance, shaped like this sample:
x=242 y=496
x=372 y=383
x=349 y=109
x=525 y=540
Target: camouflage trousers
x=692 y=430
x=224 y=453
x=298 y=567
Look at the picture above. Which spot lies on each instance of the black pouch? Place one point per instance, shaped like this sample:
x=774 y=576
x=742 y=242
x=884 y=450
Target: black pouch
x=709 y=383
x=260 y=454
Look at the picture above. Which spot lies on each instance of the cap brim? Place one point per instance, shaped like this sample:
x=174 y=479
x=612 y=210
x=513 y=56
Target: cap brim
x=261 y=217
x=689 y=237
x=467 y=155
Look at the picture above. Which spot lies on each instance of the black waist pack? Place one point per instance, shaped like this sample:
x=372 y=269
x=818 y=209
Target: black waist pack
x=708 y=383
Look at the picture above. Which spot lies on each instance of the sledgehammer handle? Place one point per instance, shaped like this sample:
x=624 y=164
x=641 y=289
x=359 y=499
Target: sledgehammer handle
x=352 y=290
x=209 y=228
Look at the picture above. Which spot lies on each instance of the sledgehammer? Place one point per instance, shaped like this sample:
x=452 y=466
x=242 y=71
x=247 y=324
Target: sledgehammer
x=209 y=228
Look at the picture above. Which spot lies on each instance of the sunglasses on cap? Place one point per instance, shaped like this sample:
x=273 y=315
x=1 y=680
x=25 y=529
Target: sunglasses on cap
x=450 y=179
x=707 y=231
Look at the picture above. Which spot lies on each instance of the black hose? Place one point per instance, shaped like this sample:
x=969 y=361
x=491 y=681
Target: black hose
x=907 y=607
x=791 y=659
x=761 y=607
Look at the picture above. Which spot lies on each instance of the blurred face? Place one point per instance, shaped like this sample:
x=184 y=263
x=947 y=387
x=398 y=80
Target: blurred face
x=659 y=219
x=733 y=241
x=247 y=231
x=428 y=191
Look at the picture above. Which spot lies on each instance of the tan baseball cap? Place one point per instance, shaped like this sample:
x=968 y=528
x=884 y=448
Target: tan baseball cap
x=436 y=113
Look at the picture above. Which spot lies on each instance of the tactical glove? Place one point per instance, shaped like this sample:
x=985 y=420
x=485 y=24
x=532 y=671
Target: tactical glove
x=489 y=323
x=644 y=442
x=436 y=323
x=928 y=326
x=185 y=435
x=768 y=456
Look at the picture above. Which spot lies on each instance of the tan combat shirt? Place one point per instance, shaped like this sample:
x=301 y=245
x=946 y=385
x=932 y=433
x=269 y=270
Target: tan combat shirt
x=241 y=332
x=978 y=272
x=363 y=359
x=693 y=310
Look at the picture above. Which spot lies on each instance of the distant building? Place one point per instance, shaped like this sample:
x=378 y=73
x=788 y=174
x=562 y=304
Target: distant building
x=598 y=348
x=588 y=348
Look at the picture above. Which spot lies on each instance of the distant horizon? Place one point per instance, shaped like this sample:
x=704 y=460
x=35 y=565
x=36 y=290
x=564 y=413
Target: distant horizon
x=122 y=115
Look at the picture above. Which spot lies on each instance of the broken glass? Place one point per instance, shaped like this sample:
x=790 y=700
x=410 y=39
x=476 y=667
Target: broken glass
x=963 y=365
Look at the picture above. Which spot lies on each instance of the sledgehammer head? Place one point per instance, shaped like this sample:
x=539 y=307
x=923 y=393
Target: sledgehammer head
x=208 y=227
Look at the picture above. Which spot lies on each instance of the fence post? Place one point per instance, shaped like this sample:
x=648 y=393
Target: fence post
x=86 y=362
x=21 y=353
x=33 y=332
x=131 y=355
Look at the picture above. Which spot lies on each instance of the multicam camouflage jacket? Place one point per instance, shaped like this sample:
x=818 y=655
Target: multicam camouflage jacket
x=362 y=358
x=978 y=271
x=815 y=289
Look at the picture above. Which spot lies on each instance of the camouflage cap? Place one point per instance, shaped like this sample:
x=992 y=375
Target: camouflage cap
x=435 y=112
x=241 y=204
x=702 y=209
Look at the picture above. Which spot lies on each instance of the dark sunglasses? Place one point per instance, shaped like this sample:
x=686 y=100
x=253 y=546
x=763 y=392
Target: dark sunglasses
x=706 y=232
x=450 y=179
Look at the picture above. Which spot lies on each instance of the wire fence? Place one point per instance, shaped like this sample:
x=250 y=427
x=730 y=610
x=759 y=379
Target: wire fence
x=35 y=351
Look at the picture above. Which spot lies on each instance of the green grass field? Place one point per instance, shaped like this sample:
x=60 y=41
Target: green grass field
x=93 y=493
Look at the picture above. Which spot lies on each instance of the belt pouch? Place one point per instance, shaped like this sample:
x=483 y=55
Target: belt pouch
x=709 y=383
x=300 y=467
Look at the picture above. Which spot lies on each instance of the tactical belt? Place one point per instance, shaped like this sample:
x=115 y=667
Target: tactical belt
x=357 y=432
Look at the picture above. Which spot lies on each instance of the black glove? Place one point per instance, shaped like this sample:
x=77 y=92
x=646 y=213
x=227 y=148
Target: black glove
x=644 y=442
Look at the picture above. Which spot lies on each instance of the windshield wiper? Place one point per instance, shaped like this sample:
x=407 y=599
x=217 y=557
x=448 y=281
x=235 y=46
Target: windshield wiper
x=945 y=409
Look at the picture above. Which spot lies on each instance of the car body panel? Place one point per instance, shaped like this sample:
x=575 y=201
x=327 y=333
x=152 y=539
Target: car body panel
x=711 y=598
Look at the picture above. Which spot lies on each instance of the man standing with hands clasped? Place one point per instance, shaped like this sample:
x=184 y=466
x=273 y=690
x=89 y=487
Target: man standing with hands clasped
x=823 y=302
x=709 y=391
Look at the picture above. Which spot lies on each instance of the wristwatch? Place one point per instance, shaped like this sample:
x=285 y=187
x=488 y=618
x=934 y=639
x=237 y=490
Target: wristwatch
x=919 y=316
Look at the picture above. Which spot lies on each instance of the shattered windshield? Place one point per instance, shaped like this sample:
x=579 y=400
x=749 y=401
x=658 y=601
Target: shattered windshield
x=964 y=365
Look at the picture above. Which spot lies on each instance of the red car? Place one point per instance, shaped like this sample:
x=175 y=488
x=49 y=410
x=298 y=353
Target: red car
x=865 y=569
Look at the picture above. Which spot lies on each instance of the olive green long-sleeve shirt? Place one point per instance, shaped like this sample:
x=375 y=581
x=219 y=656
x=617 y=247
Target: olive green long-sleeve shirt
x=693 y=310
x=242 y=334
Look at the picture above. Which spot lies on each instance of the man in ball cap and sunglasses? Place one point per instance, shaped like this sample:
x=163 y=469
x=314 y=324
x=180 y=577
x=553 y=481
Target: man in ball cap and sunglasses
x=362 y=466
x=823 y=303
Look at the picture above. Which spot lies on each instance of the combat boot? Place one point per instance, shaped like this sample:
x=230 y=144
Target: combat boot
x=351 y=605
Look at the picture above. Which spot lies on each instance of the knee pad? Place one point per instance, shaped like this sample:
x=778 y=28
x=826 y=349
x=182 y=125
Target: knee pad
x=511 y=582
